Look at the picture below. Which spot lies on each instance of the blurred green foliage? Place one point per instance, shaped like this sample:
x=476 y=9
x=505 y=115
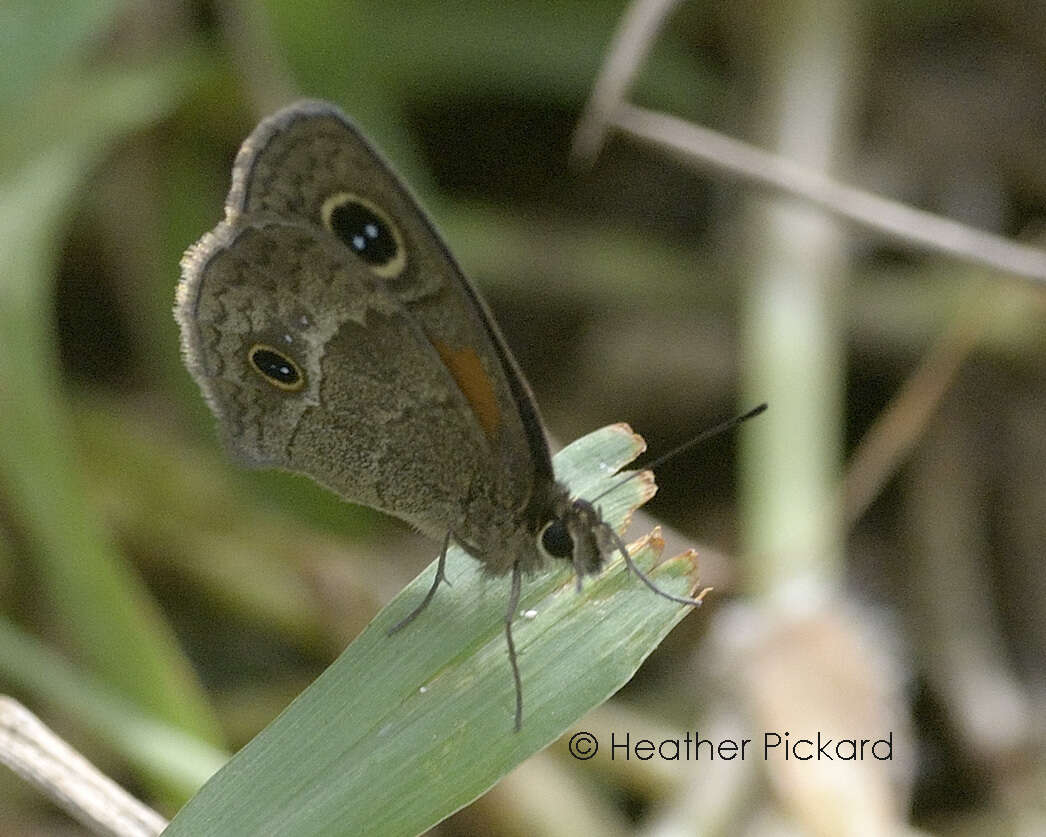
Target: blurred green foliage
x=161 y=605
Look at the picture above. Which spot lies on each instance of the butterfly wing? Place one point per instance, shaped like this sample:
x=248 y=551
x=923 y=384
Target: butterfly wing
x=311 y=366
x=407 y=398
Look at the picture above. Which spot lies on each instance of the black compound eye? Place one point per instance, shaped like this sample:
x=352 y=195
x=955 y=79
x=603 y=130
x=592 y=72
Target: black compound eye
x=367 y=231
x=278 y=369
x=556 y=540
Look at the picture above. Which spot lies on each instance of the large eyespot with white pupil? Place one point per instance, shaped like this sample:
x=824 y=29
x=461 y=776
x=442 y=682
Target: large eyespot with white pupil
x=555 y=540
x=275 y=367
x=367 y=231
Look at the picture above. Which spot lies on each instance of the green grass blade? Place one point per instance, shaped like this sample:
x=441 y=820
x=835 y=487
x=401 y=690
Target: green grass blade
x=402 y=731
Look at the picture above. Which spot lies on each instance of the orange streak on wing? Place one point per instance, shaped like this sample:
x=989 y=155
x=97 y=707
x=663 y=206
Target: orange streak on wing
x=467 y=370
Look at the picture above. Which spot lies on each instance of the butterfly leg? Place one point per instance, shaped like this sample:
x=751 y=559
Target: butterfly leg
x=440 y=577
x=579 y=571
x=513 y=603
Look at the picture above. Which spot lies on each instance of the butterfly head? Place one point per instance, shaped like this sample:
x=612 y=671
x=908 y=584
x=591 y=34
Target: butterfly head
x=576 y=533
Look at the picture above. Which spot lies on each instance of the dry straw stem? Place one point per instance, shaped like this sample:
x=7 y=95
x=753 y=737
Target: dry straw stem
x=902 y=423
x=897 y=430
x=705 y=148
x=40 y=757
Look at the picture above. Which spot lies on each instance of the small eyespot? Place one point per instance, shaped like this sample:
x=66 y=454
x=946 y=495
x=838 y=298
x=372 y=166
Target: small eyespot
x=367 y=231
x=278 y=369
x=556 y=541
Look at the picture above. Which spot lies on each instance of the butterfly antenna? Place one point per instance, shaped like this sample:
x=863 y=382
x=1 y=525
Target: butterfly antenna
x=703 y=436
x=619 y=545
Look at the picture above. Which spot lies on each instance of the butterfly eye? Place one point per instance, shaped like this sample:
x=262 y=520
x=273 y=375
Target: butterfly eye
x=278 y=369
x=556 y=540
x=367 y=231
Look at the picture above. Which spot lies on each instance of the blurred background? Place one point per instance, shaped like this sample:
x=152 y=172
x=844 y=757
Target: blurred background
x=876 y=540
